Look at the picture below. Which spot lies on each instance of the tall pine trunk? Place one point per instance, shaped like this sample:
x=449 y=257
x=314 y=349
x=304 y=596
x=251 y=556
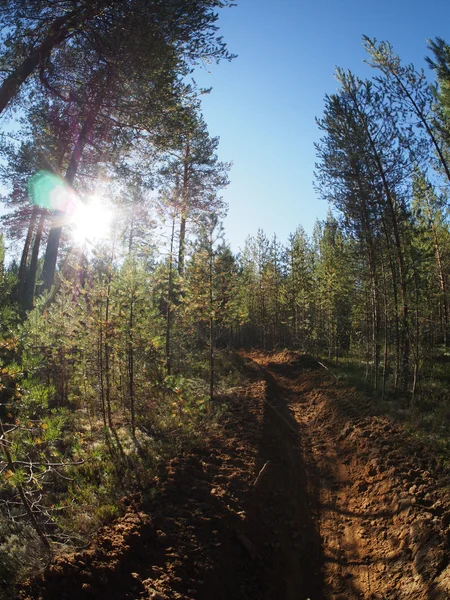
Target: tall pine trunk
x=51 y=252
x=184 y=209
x=22 y=277
x=395 y=224
x=32 y=271
x=169 y=302
x=442 y=281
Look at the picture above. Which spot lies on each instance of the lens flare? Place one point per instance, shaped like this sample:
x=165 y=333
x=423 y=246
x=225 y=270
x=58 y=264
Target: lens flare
x=90 y=218
x=49 y=191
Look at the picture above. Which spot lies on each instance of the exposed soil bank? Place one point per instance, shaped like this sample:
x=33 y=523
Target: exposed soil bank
x=302 y=493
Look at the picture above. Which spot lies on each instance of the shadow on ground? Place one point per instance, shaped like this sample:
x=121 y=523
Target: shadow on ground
x=208 y=531
x=283 y=560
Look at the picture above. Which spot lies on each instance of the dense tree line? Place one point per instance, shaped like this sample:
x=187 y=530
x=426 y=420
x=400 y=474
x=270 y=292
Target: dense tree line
x=371 y=284
x=383 y=165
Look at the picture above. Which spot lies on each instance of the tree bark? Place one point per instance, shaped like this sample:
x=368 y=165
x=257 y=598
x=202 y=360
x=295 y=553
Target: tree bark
x=101 y=364
x=211 y=322
x=58 y=32
x=30 y=283
x=442 y=281
x=184 y=205
x=169 y=302
x=397 y=242
x=24 y=258
x=131 y=364
x=182 y=242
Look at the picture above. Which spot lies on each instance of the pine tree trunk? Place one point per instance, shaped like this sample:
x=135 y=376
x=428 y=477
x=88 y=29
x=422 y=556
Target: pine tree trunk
x=107 y=352
x=395 y=294
x=51 y=252
x=391 y=204
x=211 y=323
x=131 y=366
x=443 y=283
x=101 y=365
x=182 y=242
x=169 y=302
x=184 y=208
x=22 y=277
x=375 y=333
x=32 y=271
x=416 y=349
x=58 y=32
x=386 y=323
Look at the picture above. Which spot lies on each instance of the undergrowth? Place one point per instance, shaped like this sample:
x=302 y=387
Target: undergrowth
x=76 y=472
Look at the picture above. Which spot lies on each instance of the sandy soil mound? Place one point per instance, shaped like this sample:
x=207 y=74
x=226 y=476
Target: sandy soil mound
x=384 y=509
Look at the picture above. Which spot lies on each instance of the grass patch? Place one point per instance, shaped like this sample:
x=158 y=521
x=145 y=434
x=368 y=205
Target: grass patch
x=426 y=417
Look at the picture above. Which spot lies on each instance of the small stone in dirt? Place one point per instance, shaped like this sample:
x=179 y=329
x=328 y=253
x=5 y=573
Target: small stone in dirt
x=372 y=468
x=154 y=595
x=87 y=588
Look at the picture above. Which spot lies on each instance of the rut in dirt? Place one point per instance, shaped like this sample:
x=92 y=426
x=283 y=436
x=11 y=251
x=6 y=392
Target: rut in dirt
x=280 y=514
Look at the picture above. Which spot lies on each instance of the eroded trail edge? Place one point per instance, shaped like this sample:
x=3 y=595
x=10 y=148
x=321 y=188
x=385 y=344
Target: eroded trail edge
x=383 y=505
x=302 y=491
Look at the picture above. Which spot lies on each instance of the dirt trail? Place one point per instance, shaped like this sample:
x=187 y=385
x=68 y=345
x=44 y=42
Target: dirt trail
x=303 y=492
x=383 y=504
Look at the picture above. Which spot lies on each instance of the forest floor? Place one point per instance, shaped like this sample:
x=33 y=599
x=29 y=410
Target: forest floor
x=306 y=490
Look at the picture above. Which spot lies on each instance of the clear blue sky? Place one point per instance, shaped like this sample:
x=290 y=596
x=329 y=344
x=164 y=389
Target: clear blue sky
x=264 y=102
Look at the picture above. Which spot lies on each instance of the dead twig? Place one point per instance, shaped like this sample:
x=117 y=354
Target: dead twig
x=325 y=367
x=260 y=474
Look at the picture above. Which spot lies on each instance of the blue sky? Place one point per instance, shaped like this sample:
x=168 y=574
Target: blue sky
x=264 y=103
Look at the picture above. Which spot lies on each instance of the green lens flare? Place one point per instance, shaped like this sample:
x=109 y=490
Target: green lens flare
x=49 y=191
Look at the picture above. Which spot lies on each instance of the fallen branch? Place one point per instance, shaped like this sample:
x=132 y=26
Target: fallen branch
x=325 y=367
x=261 y=473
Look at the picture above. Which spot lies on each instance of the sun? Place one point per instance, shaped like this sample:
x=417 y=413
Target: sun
x=91 y=220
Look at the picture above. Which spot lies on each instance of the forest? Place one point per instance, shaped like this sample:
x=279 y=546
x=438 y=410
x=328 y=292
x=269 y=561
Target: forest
x=122 y=305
